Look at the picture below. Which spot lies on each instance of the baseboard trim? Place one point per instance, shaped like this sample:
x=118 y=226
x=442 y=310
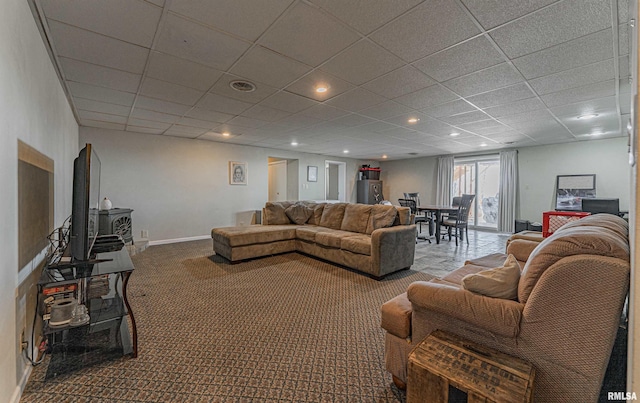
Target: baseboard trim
x=17 y=394
x=176 y=240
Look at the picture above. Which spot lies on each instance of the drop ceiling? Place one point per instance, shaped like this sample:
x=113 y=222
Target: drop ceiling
x=499 y=74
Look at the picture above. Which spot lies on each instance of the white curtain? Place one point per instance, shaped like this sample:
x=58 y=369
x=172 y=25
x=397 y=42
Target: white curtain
x=508 y=187
x=445 y=180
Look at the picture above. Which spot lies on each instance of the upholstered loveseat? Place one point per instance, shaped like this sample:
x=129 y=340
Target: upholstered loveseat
x=564 y=319
x=374 y=239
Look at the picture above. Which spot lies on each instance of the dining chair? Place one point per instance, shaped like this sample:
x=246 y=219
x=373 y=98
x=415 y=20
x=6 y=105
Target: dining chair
x=460 y=221
x=419 y=219
x=429 y=217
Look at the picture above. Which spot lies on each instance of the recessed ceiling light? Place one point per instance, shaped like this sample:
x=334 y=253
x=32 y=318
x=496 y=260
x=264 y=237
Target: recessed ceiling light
x=384 y=156
x=294 y=143
x=322 y=88
x=346 y=151
x=226 y=134
x=483 y=145
x=588 y=116
x=454 y=134
x=413 y=120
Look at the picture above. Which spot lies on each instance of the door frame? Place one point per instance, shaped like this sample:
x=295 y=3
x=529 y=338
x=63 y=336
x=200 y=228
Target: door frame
x=342 y=179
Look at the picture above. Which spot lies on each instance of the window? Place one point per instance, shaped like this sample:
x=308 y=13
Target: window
x=479 y=176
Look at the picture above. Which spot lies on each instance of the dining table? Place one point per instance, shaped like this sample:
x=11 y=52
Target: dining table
x=438 y=209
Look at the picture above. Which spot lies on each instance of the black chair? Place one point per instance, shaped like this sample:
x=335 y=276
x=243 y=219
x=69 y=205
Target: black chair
x=429 y=217
x=461 y=219
x=418 y=219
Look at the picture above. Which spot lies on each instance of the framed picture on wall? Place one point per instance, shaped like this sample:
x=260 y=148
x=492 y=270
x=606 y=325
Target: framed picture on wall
x=237 y=173
x=312 y=173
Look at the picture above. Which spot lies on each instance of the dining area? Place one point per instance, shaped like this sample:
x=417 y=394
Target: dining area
x=454 y=217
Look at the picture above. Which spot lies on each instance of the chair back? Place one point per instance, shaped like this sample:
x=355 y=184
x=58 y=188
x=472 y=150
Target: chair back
x=464 y=208
x=455 y=202
x=409 y=203
x=413 y=196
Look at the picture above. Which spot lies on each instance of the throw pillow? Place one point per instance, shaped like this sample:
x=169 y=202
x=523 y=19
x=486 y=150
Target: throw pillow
x=381 y=217
x=332 y=215
x=274 y=214
x=298 y=213
x=501 y=282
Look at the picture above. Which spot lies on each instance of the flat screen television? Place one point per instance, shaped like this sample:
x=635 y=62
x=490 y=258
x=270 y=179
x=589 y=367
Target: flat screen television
x=595 y=206
x=85 y=204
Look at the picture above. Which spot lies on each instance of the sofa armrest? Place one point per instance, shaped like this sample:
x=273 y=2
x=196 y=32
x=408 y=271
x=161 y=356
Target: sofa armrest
x=521 y=248
x=393 y=248
x=499 y=316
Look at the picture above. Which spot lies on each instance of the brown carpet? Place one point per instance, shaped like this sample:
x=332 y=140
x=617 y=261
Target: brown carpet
x=281 y=328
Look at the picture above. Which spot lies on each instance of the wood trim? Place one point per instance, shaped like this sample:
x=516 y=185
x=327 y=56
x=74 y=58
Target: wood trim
x=34 y=157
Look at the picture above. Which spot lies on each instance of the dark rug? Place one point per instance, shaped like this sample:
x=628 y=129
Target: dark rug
x=281 y=328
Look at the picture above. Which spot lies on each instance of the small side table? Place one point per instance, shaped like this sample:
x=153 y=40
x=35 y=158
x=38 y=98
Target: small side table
x=486 y=375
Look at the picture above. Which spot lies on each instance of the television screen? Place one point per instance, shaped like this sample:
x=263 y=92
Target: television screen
x=595 y=206
x=85 y=203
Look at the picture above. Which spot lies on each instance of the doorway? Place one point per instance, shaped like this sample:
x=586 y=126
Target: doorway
x=479 y=176
x=335 y=180
x=283 y=179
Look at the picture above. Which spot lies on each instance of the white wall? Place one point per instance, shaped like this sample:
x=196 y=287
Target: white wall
x=179 y=188
x=33 y=109
x=538 y=168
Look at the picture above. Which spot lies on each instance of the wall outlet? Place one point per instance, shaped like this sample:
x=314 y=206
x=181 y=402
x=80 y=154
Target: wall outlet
x=144 y=233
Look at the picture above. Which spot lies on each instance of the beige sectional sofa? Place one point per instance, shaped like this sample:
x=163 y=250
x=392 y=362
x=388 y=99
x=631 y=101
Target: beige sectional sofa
x=374 y=239
x=564 y=319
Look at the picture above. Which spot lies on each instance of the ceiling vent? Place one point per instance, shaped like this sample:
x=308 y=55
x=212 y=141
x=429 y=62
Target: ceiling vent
x=242 y=86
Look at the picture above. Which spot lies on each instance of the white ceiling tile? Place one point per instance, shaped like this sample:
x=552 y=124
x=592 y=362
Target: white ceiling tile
x=600 y=106
x=502 y=96
x=161 y=106
x=516 y=107
x=561 y=22
x=179 y=132
x=149 y=124
x=489 y=79
x=264 y=113
x=154 y=116
x=271 y=68
x=247 y=122
x=192 y=41
x=212 y=116
x=131 y=21
x=288 y=102
x=101 y=125
x=233 y=130
x=465 y=118
x=307 y=85
x=386 y=110
x=464 y=58
x=97 y=106
x=146 y=130
x=187 y=121
x=239 y=17
x=427 y=97
x=75 y=70
x=223 y=87
x=592 y=73
x=402 y=81
x=491 y=13
x=362 y=62
x=356 y=100
x=181 y=71
x=324 y=112
x=76 y=43
x=170 y=92
x=352 y=120
x=298 y=121
x=87 y=91
x=450 y=108
x=592 y=91
x=366 y=15
x=222 y=104
x=579 y=52
x=403 y=119
x=101 y=117
x=426 y=29
x=309 y=24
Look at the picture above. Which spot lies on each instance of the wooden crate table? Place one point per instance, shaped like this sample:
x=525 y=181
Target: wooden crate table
x=486 y=375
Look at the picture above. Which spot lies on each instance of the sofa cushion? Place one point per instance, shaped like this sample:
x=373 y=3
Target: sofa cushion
x=575 y=240
x=360 y=244
x=317 y=213
x=332 y=238
x=332 y=215
x=609 y=221
x=254 y=234
x=274 y=213
x=396 y=316
x=298 y=213
x=501 y=282
x=382 y=216
x=403 y=217
x=457 y=275
x=308 y=232
x=356 y=217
